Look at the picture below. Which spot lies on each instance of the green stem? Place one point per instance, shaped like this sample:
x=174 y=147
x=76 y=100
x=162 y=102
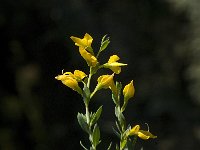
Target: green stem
x=89 y=78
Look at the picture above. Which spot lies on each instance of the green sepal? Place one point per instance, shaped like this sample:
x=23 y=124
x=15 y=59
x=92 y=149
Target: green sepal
x=89 y=49
x=95 y=116
x=83 y=122
x=96 y=135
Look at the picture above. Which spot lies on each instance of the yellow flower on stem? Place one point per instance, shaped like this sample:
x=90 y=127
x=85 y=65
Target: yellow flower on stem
x=85 y=42
x=141 y=133
x=106 y=81
x=114 y=65
x=128 y=91
x=71 y=80
x=89 y=58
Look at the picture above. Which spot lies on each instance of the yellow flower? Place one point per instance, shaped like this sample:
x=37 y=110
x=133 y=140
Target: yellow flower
x=114 y=65
x=89 y=58
x=106 y=81
x=128 y=91
x=71 y=80
x=141 y=133
x=78 y=75
x=85 y=42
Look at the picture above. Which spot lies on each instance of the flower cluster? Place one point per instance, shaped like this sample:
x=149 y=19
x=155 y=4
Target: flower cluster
x=88 y=121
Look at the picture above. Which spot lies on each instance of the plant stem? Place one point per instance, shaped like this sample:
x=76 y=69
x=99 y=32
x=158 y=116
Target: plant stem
x=89 y=78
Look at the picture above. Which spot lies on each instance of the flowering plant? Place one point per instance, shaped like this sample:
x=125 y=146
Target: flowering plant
x=88 y=120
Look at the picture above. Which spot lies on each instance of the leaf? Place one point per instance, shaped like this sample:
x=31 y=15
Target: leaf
x=116 y=133
x=123 y=143
x=104 y=45
x=109 y=147
x=83 y=146
x=96 y=116
x=103 y=38
x=117 y=147
x=83 y=122
x=96 y=135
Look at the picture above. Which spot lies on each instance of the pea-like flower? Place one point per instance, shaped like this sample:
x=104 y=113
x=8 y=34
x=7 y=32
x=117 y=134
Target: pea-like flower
x=89 y=58
x=141 y=133
x=85 y=42
x=128 y=91
x=106 y=81
x=114 y=65
x=71 y=80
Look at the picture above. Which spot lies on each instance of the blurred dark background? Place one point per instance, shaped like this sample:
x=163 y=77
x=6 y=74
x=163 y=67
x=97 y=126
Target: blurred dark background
x=159 y=39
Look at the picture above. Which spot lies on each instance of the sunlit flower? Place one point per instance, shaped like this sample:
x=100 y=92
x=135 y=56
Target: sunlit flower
x=114 y=65
x=106 y=81
x=85 y=42
x=89 y=58
x=128 y=91
x=141 y=133
x=71 y=80
x=78 y=75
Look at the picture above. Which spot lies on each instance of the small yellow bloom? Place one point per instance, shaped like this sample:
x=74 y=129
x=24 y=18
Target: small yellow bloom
x=71 y=80
x=141 y=133
x=79 y=75
x=106 y=81
x=89 y=58
x=128 y=91
x=85 y=42
x=114 y=65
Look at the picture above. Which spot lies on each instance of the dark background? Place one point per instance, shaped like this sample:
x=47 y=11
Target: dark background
x=159 y=39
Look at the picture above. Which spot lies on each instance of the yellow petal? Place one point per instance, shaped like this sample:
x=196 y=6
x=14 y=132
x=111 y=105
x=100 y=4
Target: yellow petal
x=72 y=83
x=145 y=135
x=128 y=91
x=85 y=42
x=116 y=70
x=79 y=75
x=105 y=81
x=134 y=130
x=89 y=58
x=114 y=65
x=113 y=58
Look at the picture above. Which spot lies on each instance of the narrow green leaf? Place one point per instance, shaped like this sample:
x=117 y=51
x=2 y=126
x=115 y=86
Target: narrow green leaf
x=83 y=122
x=123 y=143
x=96 y=116
x=117 y=147
x=118 y=126
x=103 y=39
x=109 y=147
x=116 y=133
x=96 y=135
x=83 y=146
x=104 y=45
